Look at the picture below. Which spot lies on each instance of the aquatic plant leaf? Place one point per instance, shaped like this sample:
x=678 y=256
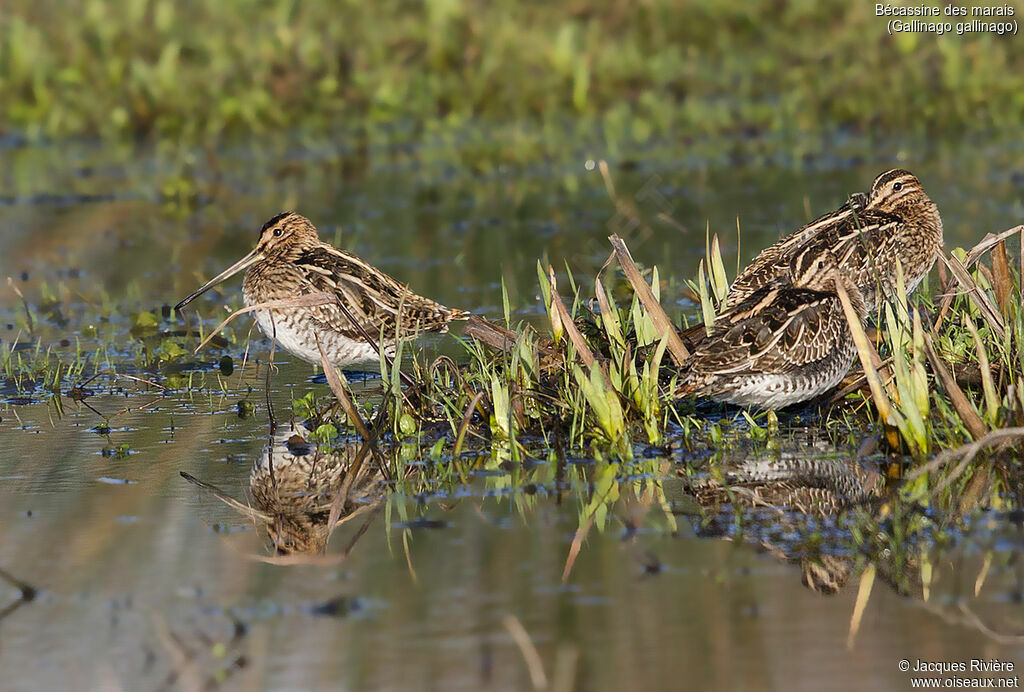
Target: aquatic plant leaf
x=719 y=281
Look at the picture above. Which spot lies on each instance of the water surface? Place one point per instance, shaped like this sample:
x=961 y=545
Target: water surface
x=142 y=576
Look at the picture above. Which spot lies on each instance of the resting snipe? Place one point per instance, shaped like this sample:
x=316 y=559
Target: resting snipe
x=290 y=261
x=784 y=343
x=896 y=220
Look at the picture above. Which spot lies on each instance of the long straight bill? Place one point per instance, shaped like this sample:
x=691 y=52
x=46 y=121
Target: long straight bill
x=244 y=263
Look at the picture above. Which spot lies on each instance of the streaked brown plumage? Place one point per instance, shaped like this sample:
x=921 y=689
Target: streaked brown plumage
x=896 y=220
x=804 y=488
x=290 y=261
x=293 y=486
x=814 y=485
x=783 y=344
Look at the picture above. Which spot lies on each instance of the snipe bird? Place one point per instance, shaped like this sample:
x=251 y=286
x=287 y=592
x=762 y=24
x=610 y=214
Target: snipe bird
x=783 y=344
x=896 y=220
x=290 y=261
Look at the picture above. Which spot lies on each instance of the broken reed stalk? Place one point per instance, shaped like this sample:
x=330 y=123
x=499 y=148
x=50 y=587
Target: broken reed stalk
x=530 y=654
x=973 y=255
x=1001 y=281
x=967 y=452
x=866 y=353
x=975 y=425
x=987 y=243
x=498 y=338
x=577 y=340
x=661 y=321
x=867 y=580
x=467 y=417
x=336 y=385
x=977 y=296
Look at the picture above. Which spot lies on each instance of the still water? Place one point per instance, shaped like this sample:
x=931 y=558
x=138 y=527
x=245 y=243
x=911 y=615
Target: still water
x=145 y=580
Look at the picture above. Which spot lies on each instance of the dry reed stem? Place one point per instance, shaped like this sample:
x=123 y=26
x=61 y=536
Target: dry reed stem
x=987 y=243
x=577 y=340
x=866 y=353
x=973 y=255
x=966 y=453
x=977 y=296
x=225 y=498
x=661 y=321
x=460 y=436
x=975 y=425
x=1001 y=281
x=530 y=654
x=340 y=393
x=867 y=580
x=499 y=338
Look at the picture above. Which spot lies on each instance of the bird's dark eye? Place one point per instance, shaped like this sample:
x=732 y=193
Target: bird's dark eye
x=896 y=187
x=278 y=232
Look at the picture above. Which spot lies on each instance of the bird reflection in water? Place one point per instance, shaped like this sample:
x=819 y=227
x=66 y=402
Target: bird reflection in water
x=293 y=487
x=800 y=494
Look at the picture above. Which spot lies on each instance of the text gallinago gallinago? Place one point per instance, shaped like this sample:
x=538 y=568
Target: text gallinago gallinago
x=290 y=261
x=896 y=220
x=783 y=344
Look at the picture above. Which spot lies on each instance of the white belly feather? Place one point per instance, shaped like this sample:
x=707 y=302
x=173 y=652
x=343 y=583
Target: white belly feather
x=300 y=340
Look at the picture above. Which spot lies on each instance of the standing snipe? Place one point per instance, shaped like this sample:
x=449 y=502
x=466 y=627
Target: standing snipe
x=784 y=343
x=896 y=220
x=290 y=261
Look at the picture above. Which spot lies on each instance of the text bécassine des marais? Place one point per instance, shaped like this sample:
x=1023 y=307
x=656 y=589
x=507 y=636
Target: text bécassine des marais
x=886 y=10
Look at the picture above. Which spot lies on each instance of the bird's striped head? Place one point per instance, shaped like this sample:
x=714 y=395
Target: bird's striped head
x=287 y=234
x=285 y=237
x=814 y=268
x=895 y=190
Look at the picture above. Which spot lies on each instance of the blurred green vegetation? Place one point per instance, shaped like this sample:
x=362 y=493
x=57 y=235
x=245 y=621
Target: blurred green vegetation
x=194 y=69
